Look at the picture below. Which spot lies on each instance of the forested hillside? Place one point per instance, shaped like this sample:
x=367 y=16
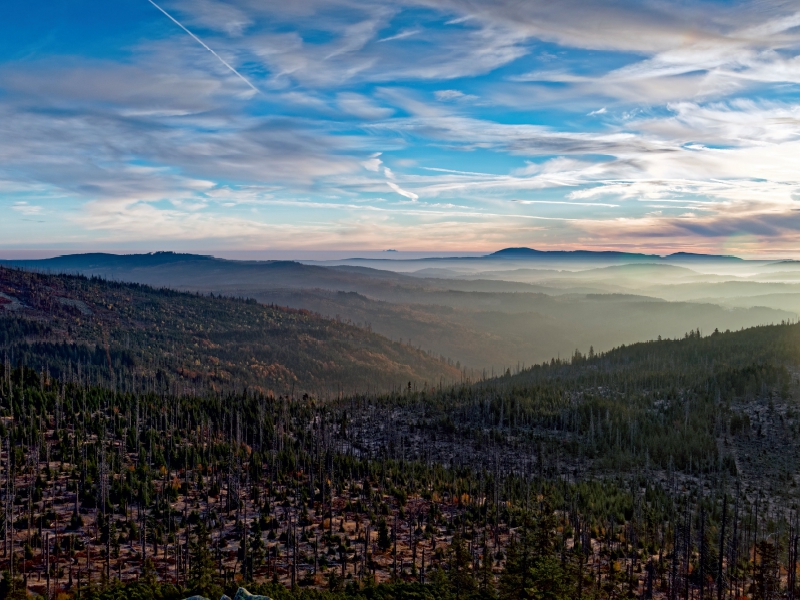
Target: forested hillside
x=133 y=337
x=664 y=469
x=467 y=312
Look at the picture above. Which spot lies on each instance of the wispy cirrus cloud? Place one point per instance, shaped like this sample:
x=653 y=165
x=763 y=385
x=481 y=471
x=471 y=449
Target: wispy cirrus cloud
x=657 y=120
x=27 y=209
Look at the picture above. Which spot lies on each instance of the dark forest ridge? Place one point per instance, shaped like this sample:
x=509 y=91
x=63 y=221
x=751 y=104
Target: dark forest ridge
x=122 y=331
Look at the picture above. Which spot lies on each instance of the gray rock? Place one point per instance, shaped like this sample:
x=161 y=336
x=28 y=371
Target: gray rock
x=243 y=594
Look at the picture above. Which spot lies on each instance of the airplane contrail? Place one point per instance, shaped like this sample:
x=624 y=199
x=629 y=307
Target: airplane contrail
x=199 y=41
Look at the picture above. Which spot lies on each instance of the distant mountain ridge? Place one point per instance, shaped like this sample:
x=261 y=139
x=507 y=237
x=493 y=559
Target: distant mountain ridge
x=102 y=260
x=480 y=311
x=523 y=252
x=106 y=260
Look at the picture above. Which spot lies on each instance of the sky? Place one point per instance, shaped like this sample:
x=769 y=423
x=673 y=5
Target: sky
x=415 y=125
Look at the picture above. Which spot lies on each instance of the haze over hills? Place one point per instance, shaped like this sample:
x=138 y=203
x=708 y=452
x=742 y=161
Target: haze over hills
x=516 y=306
x=126 y=334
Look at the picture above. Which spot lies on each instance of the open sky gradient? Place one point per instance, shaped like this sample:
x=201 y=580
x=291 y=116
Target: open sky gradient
x=408 y=124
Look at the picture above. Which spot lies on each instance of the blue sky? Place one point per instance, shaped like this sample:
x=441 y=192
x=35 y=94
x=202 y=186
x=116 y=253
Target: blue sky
x=416 y=125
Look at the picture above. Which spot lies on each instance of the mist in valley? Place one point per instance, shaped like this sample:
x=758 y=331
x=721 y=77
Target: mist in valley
x=504 y=310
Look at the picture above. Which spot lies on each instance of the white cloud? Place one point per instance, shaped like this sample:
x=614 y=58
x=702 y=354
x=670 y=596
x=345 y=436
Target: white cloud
x=453 y=96
x=558 y=202
x=373 y=163
x=402 y=192
x=362 y=107
x=215 y=15
x=27 y=209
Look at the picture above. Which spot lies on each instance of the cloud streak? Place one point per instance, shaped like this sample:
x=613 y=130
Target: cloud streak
x=204 y=45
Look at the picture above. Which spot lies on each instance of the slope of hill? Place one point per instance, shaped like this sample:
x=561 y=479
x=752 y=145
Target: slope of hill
x=481 y=322
x=123 y=332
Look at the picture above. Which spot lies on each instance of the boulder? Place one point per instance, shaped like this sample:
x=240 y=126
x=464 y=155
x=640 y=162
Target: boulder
x=243 y=594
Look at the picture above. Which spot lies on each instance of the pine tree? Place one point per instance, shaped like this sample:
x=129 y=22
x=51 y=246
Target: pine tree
x=384 y=539
x=201 y=570
x=514 y=576
x=487 y=574
x=255 y=557
x=460 y=573
x=548 y=580
x=766 y=579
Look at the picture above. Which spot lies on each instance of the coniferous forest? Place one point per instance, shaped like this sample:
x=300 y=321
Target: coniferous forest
x=151 y=447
